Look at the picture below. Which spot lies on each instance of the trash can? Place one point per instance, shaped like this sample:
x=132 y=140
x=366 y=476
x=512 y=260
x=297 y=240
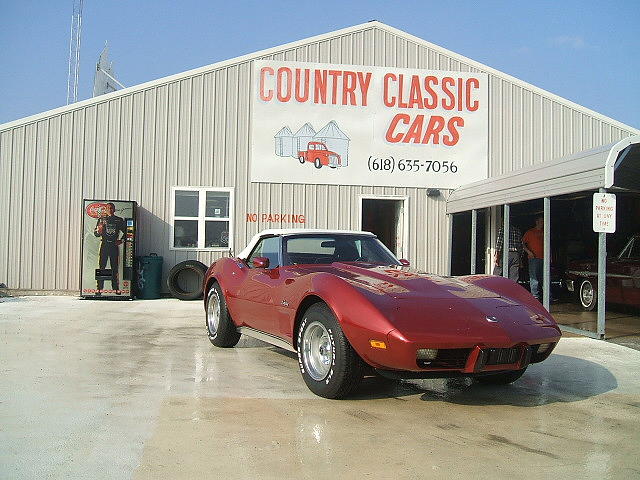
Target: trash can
x=149 y=277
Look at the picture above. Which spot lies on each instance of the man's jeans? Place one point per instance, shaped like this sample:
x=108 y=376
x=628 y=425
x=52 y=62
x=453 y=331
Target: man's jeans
x=535 y=276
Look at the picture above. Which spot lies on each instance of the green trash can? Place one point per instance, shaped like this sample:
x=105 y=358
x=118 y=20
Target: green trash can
x=149 y=277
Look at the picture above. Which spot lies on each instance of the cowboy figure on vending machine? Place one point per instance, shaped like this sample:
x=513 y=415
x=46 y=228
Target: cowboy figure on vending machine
x=108 y=227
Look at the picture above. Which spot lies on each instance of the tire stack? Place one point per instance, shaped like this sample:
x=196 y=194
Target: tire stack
x=185 y=280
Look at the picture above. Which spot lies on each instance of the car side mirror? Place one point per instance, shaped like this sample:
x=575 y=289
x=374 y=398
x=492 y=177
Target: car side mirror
x=261 y=262
x=404 y=263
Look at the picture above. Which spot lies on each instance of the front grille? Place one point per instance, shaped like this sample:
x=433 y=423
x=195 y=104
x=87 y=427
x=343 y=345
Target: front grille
x=501 y=356
x=447 y=358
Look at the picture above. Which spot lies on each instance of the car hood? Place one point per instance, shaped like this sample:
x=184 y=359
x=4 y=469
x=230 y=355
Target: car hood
x=455 y=306
x=403 y=282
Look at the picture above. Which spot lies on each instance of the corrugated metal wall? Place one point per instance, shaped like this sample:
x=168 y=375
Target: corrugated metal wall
x=194 y=131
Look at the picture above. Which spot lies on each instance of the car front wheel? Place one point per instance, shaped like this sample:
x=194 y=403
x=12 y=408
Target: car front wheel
x=587 y=295
x=317 y=163
x=220 y=328
x=330 y=366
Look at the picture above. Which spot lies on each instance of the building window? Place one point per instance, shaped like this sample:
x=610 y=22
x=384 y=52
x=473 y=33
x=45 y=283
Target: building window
x=201 y=218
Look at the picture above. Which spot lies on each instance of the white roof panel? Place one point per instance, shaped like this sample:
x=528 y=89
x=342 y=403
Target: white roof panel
x=613 y=165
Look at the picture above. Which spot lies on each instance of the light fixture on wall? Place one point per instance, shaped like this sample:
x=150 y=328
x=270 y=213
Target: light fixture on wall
x=433 y=192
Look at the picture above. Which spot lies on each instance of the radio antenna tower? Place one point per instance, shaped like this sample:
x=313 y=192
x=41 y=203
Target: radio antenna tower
x=74 y=52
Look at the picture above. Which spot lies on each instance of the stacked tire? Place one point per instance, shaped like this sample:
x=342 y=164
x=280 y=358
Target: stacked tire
x=185 y=280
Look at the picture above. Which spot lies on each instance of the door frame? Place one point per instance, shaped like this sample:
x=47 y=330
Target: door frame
x=404 y=251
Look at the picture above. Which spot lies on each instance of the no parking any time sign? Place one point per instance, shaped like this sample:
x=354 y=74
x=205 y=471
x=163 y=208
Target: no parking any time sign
x=604 y=212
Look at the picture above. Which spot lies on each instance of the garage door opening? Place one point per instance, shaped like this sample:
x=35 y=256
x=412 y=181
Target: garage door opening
x=461 y=252
x=385 y=217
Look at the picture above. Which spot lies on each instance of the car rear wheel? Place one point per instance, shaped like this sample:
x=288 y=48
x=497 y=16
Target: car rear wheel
x=501 y=378
x=301 y=159
x=317 y=163
x=330 y=366
x=587 y=295
x=220 y=328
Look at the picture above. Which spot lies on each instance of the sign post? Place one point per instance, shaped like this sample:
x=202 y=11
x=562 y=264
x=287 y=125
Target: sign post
x=604 y=221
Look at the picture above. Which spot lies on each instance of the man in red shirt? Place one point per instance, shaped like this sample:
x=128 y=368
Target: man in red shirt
x=533 y=243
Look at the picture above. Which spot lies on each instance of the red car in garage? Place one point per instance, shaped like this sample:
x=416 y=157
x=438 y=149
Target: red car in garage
x=347 y=306
x=623 y=278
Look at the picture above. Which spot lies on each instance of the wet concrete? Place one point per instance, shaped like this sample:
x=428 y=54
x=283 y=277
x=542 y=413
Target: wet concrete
x=622 y=324
x=95 y=389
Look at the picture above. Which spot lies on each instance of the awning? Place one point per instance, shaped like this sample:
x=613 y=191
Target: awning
x=616 y=165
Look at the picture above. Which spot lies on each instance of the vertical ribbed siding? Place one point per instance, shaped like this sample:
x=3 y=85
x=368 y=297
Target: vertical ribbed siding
x=194 y=131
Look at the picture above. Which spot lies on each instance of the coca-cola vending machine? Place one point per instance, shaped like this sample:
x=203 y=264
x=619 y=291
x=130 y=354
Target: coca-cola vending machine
x=108 y=248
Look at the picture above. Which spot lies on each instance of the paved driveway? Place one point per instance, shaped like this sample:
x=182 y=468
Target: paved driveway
x=99 y=389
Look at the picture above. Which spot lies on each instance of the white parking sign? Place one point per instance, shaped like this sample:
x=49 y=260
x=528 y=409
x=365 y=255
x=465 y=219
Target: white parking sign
x=604 y=212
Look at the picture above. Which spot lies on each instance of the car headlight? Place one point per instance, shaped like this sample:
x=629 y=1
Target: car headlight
x=544 y=347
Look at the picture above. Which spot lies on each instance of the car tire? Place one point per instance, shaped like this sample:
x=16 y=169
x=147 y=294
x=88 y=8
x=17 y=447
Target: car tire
x=587 y=295
x=301 y=159
x=329 y=365
x=503 y=378
x=176 y=290
x=221 y=330
x=317 y=163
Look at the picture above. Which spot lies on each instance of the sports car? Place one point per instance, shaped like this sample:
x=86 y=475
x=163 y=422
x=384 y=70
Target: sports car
x=347 y=306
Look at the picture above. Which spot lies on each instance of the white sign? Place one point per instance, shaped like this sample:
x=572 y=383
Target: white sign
x=604 y=212
x=357 y=125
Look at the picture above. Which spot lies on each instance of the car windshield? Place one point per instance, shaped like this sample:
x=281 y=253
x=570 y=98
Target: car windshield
x=324 y=249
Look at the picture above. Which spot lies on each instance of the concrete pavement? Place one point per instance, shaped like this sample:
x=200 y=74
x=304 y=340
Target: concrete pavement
x=99 y=389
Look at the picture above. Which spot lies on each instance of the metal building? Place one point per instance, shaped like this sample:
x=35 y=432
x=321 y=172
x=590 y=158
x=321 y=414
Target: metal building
x=188 y=136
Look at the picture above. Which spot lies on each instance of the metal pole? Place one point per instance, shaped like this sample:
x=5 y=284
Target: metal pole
x=546 y=265
x=449 y=242
x=602 y=278
x=505 y=242
x=474 y=227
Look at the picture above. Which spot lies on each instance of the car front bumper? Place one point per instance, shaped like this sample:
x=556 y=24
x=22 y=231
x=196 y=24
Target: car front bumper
x=460 y=357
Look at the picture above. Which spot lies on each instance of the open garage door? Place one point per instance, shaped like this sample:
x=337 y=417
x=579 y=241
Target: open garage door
x=599 y=269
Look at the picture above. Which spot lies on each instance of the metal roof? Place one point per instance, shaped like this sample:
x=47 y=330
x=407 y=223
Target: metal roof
x=464 y=61
x=616 y=165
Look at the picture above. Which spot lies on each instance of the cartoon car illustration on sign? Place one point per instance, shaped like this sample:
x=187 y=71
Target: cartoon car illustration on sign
x=318 y=154
x=347 y=306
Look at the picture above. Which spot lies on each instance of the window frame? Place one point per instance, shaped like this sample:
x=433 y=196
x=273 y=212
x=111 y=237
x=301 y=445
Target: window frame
x=201 y=218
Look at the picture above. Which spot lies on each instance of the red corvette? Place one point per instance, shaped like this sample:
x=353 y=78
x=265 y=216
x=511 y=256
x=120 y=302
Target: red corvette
x=346 y=305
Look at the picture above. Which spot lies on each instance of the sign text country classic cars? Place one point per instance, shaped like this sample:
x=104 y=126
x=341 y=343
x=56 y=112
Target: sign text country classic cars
x=359 y=125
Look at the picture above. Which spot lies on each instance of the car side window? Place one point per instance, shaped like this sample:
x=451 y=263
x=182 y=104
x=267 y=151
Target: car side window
x=267 y=247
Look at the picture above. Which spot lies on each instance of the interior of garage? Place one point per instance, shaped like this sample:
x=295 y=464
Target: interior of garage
x=572 y=240
x=574 y=247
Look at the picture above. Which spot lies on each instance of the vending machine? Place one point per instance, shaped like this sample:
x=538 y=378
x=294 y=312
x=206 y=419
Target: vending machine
x=108 y=248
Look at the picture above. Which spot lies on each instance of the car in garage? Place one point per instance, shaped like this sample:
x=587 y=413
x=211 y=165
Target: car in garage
x=622 y=277
x=348 y=307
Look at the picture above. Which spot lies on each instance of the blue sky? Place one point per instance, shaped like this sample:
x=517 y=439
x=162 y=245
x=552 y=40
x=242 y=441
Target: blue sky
x=585 y=51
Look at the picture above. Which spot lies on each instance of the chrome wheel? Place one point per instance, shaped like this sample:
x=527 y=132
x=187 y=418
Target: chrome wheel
x=317 y=351
x=213 y=312
x=587 y=295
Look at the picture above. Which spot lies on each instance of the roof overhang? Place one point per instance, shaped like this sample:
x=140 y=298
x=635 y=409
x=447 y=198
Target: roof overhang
x=612 y=166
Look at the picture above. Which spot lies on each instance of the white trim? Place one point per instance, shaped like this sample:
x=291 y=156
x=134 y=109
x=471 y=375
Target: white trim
x=287 y=46
x=403 y=252
x=609 y=167
x=202 y=219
